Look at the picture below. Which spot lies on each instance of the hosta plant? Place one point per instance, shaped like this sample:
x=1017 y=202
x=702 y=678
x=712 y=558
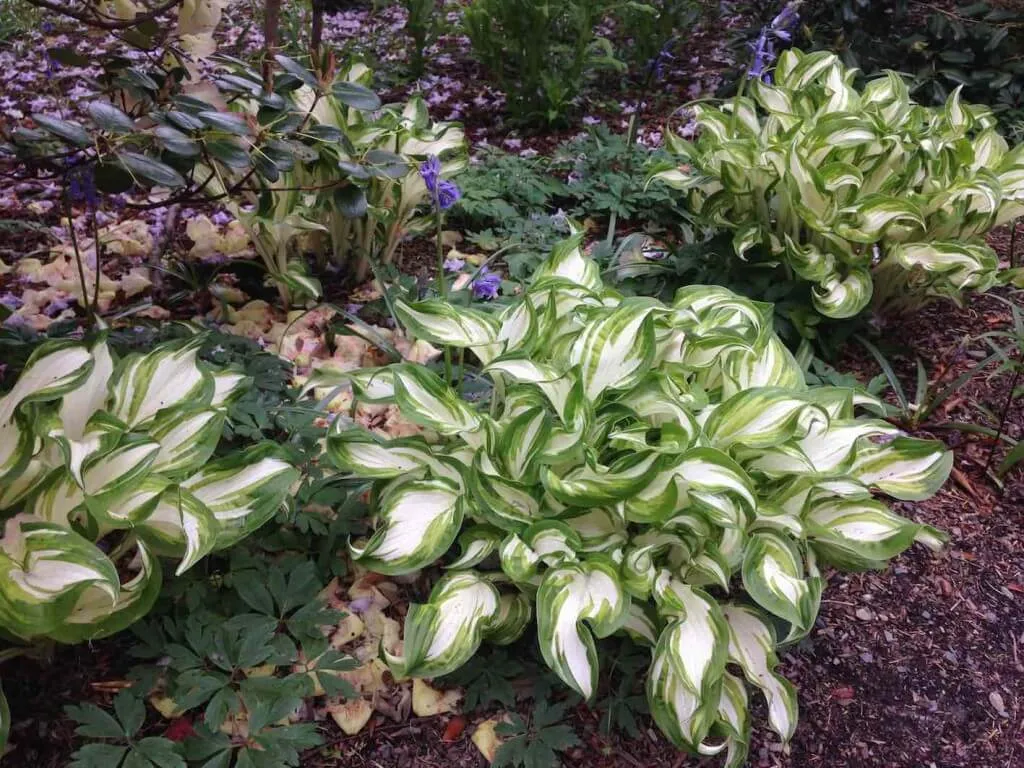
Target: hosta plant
x=107 y=465
x=655 y=469
x=863 y=193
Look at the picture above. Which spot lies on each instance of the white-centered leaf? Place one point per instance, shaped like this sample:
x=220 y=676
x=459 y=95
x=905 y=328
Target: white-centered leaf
x=569 y=596
x=417 y=522
x=752 y=647
x=443 y=634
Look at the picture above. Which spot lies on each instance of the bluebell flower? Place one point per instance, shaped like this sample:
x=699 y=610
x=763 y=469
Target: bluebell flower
x=764 y=55
x=656 y=66
x=448 y=193
x=781 y=28
x=487 y=285
x=785 y=22
x=454 y=265
x=81 y=183
x=445 y=193
x=430 y=170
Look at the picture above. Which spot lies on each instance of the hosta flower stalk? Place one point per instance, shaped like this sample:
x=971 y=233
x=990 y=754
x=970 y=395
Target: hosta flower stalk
x=654 y=469
x=865 y=194
x=106 y=466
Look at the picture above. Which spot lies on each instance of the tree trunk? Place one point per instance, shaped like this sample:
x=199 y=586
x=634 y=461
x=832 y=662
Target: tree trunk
x=271 y=22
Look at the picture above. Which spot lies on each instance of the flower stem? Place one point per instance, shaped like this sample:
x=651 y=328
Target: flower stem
x=442 y=284
x=78 y=256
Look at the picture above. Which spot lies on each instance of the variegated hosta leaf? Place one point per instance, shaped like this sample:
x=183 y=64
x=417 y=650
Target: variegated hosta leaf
x=443 y=323
x=56 y=497
x=513 y=617
x=558 y=387
x=752 y=647
x=641 y=624
x=586 y=487
x=616 y=350
x=228 y=385
x=905 y=468
x=425 y=399
x=44 y=570
x=187 y=439
x=966 y=266
x=476 y=544
x=709 y=567
x=79 y=404
x=701 y=477
x=734 y=721
x=518 y=561
x=134 y=506
x=599 y=529
x=567 y=261
x=101 y=435
x=242 y=490
x=54 y=368
x=519 y=327
x=569 y=596
x=21 y=484
x=17 y=444
x=105 y=478
x=860 y=533
x=364 y=454
x=92 y=617
x=679 y=712
x=417 y=521
x=695 y=640
x=828 y=448
x=503 y=503
x=522 y=440
x=553 y=541
x=773 y=574
x=180 y=525
x=638 y=571
x=372 y=385
x=761 y=418
x=168 y=377
x=442 y=634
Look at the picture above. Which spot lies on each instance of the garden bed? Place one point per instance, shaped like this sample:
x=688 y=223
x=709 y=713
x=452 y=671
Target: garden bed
x=918 y=664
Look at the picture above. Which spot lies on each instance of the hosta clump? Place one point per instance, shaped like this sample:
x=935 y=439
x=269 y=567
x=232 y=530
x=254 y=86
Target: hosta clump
x=106 y=465
x=656 y=469
x=859 y=193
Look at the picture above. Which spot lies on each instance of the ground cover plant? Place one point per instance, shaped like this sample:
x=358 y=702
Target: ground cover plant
x=596 y=485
